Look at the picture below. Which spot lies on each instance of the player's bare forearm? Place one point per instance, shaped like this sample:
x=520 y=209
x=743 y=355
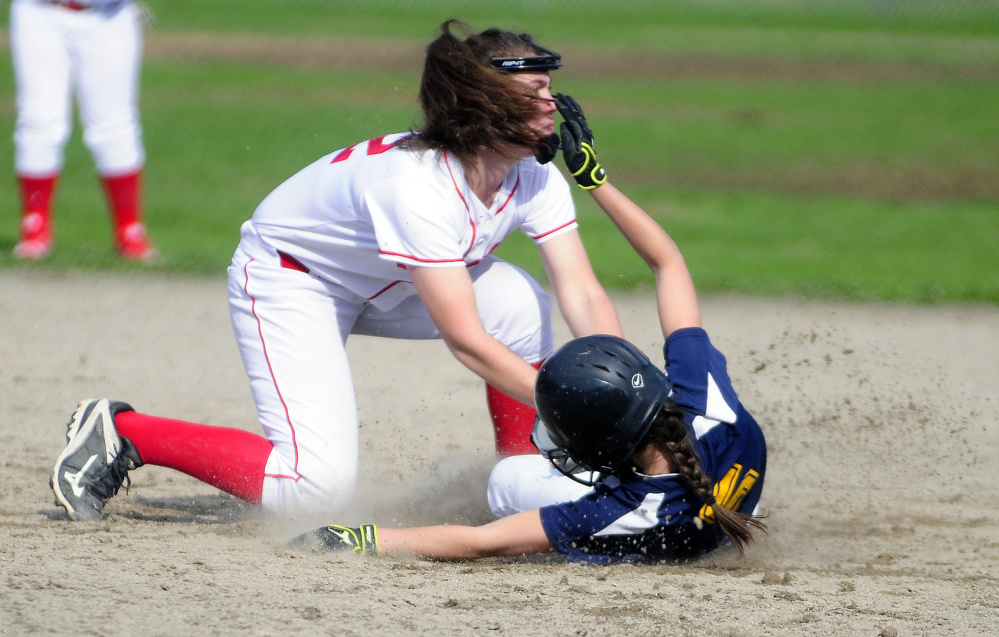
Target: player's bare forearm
x=590 y=311
x=449 y=297
x=676 y=296
x=645 y=235
x=519 y=534
x=497 y=365
x=583 y=302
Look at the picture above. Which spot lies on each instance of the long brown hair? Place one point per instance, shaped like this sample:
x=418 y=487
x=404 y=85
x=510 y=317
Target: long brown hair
x=668 y=434
x=469 y=105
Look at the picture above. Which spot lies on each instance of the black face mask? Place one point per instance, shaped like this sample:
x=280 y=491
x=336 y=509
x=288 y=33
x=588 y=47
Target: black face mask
x=547 y=148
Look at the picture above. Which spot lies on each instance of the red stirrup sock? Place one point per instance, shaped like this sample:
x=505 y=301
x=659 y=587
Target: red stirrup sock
x=36 y=195
x=231 y=460
x=513 y=422
x=124 y=195
x=36 y=217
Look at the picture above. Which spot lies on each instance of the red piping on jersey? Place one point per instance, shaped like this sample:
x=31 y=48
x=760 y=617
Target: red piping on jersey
x=543 y=235
x=399 y=254
x=471 y=222
x=263 y=343
x=515 y=186
x=467 y=209
x=384 y=289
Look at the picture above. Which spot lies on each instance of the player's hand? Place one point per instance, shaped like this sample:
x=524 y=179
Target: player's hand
x=362 y=539
x=577 y=145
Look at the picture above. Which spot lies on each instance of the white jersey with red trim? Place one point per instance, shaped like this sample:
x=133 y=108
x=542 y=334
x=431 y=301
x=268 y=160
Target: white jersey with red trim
x=359 y=216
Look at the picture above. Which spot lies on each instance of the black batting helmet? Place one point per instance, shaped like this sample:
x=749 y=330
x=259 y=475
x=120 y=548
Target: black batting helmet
x=597 y=397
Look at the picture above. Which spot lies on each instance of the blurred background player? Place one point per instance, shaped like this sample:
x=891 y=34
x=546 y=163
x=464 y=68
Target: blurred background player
x=93 y=49
x=637 y=465
x=391 y=237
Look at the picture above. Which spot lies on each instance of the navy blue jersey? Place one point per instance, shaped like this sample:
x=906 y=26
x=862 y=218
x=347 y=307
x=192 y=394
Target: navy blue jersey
x=653 y=518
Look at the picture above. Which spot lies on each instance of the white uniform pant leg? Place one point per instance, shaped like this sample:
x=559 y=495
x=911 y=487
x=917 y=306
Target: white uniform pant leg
x=525 y=483
x=514 y=309
x=41 y=58
x=109 y=47
x=289 y=329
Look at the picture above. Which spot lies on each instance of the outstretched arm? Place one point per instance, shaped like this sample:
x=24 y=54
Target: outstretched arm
x=518 y=534
x=676 y=297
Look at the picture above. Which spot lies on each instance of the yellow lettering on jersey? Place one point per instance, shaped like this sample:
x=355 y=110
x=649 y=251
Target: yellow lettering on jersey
x=727 y=493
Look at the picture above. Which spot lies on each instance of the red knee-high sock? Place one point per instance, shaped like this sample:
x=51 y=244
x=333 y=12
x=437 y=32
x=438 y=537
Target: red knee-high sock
x=231 y=460
x=124 y=195
x=513 y=422
x=36 y=195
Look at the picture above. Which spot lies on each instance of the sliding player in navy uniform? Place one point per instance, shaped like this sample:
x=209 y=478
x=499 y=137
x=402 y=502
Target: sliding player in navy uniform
x=636 y=464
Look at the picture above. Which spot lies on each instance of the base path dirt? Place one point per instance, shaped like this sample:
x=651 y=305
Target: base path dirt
x=880 y=495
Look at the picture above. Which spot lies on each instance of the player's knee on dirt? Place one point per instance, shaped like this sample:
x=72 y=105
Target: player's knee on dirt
x=321 y=484
x=305 y=497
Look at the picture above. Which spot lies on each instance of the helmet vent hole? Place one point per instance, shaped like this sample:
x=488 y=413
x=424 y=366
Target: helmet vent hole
x=603 y=368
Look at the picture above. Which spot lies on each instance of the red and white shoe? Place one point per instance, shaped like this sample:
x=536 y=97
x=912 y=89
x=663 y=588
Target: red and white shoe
x=36 y=238
x=133 y=244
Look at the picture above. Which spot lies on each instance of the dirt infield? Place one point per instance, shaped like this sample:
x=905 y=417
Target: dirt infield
x=881 y=491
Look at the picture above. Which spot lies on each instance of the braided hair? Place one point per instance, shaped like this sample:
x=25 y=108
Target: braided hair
x=668 y=434
x=467 y=104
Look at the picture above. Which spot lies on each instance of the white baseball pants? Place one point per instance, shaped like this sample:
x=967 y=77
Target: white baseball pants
x=291 y=329
x=525 y=483
x=96 y=53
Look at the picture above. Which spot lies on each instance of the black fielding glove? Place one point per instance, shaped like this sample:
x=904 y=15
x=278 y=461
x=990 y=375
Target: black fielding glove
x=546 y=149
x=577 y=145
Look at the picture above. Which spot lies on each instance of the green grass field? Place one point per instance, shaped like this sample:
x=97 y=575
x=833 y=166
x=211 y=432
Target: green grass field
x=851 y=153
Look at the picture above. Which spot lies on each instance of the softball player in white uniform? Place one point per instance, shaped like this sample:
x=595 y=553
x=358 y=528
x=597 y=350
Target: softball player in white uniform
x=92 y=48
x=391 y=237
x=330 y=253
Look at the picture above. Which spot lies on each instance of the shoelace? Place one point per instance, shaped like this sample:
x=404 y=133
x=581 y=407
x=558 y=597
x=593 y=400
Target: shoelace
x=108 y=483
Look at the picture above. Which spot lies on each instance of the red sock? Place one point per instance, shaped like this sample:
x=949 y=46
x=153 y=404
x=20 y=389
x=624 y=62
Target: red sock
x=36 y=195
x=124 y=195
x=231 y=460
x=513 y=422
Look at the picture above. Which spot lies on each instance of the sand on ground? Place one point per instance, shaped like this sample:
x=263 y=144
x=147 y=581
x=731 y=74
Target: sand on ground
x=881 y=493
